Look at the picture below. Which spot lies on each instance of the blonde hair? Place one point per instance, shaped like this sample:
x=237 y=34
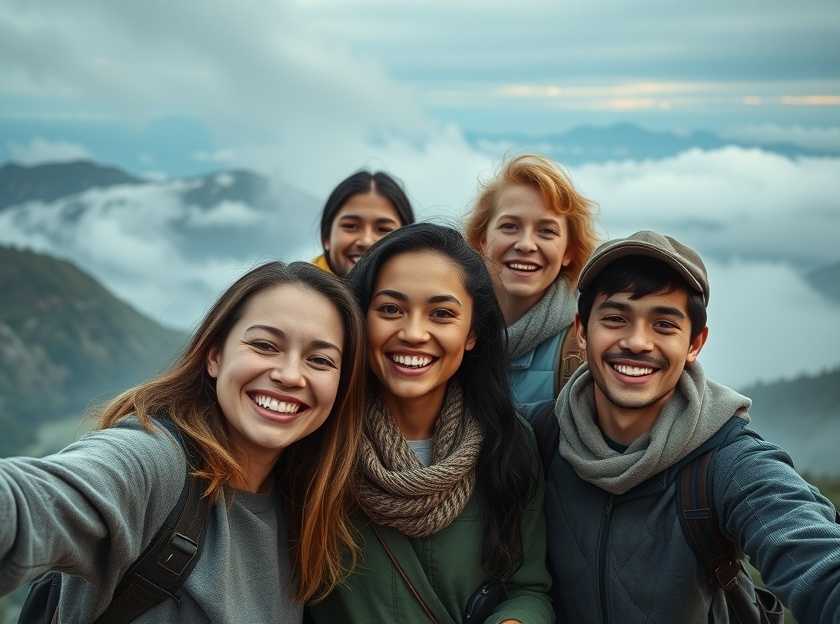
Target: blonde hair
x=315 y=473
x=558 y=195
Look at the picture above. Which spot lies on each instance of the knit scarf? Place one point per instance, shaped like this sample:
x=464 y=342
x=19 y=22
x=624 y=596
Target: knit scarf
x=396 y=490
x=550 y=315
x=695 y=412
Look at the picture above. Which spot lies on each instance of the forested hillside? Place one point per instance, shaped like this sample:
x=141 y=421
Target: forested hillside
x=66 y=342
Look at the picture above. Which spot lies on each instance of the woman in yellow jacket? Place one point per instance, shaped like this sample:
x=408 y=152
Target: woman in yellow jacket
x=361 y=209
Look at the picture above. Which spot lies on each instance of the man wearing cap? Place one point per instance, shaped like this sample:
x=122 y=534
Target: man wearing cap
x=629 y=421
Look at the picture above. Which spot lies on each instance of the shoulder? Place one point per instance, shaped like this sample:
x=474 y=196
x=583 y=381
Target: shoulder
x=128 y=451
x=742 y=448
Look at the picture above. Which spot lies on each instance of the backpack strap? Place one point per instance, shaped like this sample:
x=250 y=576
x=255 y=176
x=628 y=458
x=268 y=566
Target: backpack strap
x=717 y=554
x=547 y=432
x=570 y=358
x=168 y=560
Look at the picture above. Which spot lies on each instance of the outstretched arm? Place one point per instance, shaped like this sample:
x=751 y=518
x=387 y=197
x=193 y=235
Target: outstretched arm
x=89 y=509
x=785 y=526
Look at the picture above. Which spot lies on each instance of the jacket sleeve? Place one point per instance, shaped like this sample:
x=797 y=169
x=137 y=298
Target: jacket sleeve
x=90 y=509
x=528 y=599
x=783 y=524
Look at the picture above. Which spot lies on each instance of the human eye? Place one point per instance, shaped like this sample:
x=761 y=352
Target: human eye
x=386 y=229
x=349 y=226
x=666 y=327
x=443 y=314
x=388 y=309
x=262 y=344
x=612 y=320
x=322 y=362
x=507 y=226
x=549 y=232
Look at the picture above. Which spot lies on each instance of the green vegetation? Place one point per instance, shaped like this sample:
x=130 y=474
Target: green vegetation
x=66 y=343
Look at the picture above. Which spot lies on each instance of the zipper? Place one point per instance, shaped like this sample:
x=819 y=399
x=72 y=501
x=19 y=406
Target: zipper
x=602 y=562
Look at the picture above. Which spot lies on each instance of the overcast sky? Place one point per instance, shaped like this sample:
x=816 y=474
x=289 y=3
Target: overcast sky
x=309 y=91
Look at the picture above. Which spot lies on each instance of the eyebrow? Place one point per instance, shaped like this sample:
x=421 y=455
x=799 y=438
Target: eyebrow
x=657 y=310
x=395 y=294
x=281 y=335
x=543 y=221
x=355 y=217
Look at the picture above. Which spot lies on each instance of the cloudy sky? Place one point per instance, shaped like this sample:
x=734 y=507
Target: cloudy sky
x=309 y=91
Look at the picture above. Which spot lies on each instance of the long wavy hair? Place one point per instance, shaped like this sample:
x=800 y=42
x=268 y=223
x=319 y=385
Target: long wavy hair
x=558 y=194
x=506 y=471
x=314 y=473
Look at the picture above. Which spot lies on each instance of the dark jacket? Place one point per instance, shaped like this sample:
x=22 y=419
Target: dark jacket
x=624 y=558
x=445 y=568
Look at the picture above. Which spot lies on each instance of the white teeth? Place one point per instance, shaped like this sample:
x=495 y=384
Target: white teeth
x=415 y=361
x=284 y=407
x=632 y=371
x=519 y=266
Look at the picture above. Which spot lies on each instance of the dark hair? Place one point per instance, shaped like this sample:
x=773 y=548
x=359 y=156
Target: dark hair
x=316 y=471
x=507 y=473
x=358 y=184
x=641 y=276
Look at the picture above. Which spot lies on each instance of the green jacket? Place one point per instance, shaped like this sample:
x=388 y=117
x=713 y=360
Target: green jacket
x=445 y=568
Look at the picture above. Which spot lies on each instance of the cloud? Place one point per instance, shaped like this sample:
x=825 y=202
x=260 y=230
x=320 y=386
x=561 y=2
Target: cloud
x=40 y=150
x=766 y=322
x=826 y=138
x=168 y=259
x=728 y=203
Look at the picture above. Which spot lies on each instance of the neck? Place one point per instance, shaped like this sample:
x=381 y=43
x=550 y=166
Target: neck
x=256 y=470
x=625 y=424
x=416 y=416
x=514 y=308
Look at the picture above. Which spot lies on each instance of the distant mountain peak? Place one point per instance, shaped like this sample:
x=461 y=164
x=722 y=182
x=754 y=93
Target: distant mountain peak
x=51 y=181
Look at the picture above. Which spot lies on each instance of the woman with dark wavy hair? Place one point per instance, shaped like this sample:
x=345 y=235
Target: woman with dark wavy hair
x=363 y=208
x=450 y=490
x=268 y=396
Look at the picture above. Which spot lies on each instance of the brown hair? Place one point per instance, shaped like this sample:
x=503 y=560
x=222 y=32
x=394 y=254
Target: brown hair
x=315 y=472
x=558 y=195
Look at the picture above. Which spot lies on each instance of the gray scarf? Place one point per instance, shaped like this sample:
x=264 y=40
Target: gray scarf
x=696 y=411
x=550 y=315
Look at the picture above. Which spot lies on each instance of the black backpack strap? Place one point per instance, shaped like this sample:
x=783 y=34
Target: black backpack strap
x=168 y=560
x=717 y=554
x=547 y=432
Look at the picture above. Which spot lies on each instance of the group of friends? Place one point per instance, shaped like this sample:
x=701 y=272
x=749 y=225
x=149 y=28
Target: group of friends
x=504 y=422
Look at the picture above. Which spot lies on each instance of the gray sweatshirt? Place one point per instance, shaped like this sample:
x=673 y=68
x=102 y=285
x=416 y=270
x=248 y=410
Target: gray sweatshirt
x=90 y=510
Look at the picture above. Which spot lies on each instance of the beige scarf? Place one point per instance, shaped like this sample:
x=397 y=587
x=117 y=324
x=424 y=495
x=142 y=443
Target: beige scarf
x=396 y=490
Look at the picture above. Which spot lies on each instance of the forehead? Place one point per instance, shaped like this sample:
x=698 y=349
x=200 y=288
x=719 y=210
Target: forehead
x=369 y=207
x=300 y=312
x=648 y=304
x=423 y=274
x=523 y=202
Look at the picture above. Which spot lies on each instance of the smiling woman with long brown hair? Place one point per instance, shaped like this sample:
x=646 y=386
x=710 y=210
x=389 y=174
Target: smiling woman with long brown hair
x=264 y=408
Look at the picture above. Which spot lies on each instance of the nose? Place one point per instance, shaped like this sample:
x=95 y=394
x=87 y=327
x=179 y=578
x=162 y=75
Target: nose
x=287 y=373
x=413 y=330
x=525 y=242
x=637 y=339
x=367 y=239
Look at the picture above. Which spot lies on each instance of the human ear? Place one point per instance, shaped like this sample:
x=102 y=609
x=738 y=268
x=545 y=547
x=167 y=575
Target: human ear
x=214 y=362
x=471 y=340
x=696 y=345
x=581 y=332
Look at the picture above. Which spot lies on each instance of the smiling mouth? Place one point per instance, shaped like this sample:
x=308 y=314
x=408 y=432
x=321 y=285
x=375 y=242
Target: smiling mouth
x=278 y=406
x=633 y=371
x=411 y=361
x=523 y=267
